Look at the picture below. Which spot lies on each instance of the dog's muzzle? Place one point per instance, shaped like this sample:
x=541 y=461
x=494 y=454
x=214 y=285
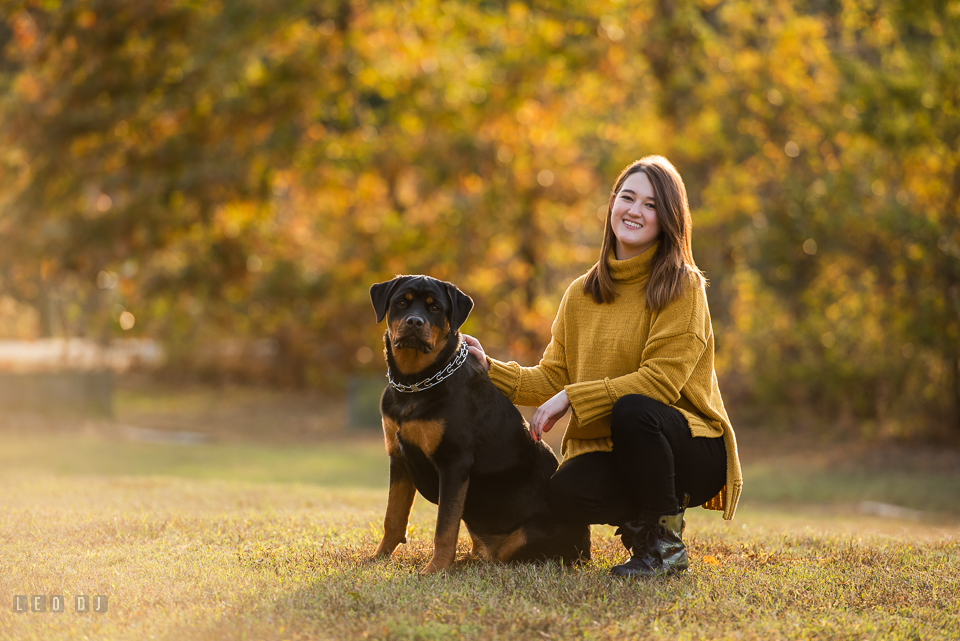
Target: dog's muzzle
x=413 y=333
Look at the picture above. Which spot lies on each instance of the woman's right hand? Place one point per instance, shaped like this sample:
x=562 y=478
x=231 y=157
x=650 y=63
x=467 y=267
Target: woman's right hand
x=474 y=347
x=548 y=414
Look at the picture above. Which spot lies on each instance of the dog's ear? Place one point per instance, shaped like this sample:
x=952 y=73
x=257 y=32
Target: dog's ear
x=460 y=306
x=380 y=295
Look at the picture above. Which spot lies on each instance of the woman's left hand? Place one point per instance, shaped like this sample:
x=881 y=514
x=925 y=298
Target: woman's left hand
x=476 y=349
x=548 y=414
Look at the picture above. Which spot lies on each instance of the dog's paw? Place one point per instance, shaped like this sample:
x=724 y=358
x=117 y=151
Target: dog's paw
x=386 y=548
x=432 y=568
x=466 y=561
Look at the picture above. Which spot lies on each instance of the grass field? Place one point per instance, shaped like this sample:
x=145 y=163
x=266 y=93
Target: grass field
x=270 y=538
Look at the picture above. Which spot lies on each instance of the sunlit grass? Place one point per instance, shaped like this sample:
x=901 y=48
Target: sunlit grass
x=182 y=558
x=259 y=541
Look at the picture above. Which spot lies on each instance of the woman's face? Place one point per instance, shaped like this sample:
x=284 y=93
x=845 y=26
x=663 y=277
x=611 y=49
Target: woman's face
x=634 y=217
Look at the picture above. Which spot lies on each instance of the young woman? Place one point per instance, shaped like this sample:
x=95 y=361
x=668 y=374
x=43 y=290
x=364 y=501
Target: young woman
x=632 y=354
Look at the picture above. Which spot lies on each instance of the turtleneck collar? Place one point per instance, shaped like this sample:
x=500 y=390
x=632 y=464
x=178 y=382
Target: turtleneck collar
x=634 y=269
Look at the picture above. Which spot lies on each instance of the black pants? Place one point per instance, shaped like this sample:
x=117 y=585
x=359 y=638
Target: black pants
x=654 y=461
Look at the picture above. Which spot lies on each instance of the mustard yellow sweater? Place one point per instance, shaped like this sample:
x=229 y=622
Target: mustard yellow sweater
x=600 y=352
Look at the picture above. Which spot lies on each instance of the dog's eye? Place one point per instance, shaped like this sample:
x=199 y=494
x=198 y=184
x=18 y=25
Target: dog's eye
x=434 y=308
x=401 y=303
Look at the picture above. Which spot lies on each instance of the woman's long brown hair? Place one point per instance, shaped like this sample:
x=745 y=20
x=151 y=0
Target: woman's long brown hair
x=673 y=265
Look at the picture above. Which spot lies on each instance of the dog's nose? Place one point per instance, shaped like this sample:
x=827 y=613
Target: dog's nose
x=415 y=321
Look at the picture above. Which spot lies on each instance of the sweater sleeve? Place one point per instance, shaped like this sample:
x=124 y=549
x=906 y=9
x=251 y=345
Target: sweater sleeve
x=672 y=351
x=532 y=386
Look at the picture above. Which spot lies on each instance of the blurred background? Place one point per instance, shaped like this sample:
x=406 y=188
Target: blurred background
x=202 y=193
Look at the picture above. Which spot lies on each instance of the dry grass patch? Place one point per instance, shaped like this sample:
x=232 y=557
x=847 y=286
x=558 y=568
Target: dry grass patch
x=205 y=559
x=254 y=538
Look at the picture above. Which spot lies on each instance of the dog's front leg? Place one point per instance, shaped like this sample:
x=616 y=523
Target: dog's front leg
x=453 y=493
x=399 y=502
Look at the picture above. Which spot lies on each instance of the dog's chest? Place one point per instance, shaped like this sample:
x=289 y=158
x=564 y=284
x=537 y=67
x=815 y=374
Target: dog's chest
x=425 y=435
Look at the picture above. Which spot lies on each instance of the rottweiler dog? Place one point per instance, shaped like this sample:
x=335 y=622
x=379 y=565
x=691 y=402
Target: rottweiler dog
x=455 y=438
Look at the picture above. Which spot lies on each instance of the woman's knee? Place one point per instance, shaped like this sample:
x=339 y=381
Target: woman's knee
x=579 y=486
x=632 y=415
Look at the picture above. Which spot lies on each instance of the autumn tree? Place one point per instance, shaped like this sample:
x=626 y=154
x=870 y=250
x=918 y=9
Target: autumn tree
x=248 y=169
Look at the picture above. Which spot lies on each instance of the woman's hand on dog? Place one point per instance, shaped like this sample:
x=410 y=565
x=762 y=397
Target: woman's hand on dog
x=548 y=414
x=475 y=348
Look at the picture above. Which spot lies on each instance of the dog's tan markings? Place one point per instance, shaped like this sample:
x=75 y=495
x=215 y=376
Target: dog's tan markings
x=409 y=296
x=425 y=435
x=448 y=527
x=394 y=329
x=429 y=301
x=399 y=502
x=500 y=547
x=437 y=334
x=511 y=544
x=411 y=361
x=390 y=429
x=478 y=549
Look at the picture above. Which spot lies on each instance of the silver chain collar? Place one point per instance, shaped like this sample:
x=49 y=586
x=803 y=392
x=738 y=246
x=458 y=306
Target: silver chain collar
x=437 y=378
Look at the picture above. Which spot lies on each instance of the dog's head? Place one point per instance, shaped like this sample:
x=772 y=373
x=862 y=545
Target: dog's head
x=421 y=311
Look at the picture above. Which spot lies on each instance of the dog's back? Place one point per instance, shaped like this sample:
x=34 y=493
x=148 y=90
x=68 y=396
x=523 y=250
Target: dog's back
x=510 y=472
x=510 y=482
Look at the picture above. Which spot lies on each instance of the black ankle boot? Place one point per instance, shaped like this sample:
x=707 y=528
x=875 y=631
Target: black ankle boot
x=633 y=535
x=656 y=547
